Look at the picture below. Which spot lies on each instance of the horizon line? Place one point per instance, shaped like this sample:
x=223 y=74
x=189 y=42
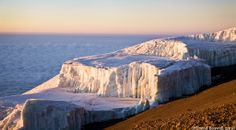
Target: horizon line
x=97 y=33
x=73 y=33
x=100 y=34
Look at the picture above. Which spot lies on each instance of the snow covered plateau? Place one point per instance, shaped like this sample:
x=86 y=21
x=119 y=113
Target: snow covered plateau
x=120 y=84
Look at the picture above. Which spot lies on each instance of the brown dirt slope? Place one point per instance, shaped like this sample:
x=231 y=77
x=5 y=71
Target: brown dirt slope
x=213 y=107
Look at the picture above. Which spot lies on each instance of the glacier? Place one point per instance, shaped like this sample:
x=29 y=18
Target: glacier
x=120 y=84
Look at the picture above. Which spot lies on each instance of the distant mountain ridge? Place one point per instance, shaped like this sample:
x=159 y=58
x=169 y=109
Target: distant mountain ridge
x=224 y=35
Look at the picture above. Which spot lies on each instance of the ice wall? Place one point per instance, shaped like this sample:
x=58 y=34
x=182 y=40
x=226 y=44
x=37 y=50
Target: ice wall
x=135 y=79
x=156 y=79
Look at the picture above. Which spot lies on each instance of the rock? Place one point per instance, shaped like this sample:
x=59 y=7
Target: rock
x=12 y=120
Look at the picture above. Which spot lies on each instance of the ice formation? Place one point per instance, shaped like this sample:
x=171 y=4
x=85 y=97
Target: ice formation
x=225 y=35
x=217 y=49
x=137 y=76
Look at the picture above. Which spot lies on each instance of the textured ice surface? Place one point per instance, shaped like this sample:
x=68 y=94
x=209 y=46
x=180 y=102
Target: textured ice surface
x=137 y=76
x=173 y=49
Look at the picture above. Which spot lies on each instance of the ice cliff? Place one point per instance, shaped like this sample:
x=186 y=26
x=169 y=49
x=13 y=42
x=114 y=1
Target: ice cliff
x=137 y=76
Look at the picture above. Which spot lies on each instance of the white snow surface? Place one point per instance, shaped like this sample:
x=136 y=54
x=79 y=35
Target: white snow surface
x=116 y=59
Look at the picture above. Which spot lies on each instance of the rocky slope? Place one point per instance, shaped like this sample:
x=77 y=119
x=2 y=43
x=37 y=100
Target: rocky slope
x=218 y=117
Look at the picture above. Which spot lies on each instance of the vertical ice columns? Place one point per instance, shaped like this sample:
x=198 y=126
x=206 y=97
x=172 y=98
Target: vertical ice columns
x=155 y=80
x=137 y=80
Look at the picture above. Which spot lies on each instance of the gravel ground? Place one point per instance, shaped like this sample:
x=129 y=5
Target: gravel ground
x=221 y=116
